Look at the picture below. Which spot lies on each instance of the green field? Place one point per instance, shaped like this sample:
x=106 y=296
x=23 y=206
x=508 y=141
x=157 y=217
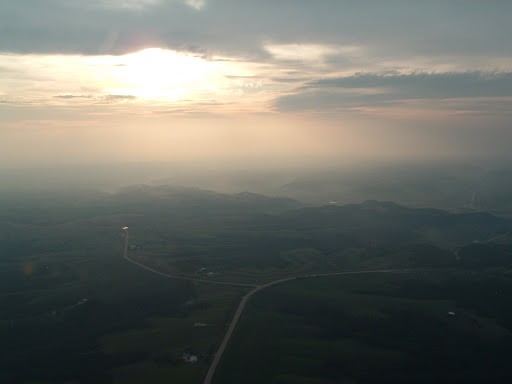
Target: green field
x=391 y=328
x=73 y=309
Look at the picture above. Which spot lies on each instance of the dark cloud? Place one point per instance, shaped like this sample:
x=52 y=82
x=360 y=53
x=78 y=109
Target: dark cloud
x=120 y=97
x=376 y=90
x=117 y=98
x=395 y=28
x=72 y=96
x=427 y=85
x=288 y=79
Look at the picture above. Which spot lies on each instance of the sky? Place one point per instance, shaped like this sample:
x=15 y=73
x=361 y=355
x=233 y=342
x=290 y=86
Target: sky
x=103 y=81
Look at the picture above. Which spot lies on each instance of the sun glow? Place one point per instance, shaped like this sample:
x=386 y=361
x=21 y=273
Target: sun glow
x=163 y=74
x=154 y=75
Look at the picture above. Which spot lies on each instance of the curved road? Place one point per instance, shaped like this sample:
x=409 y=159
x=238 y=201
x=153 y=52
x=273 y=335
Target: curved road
x=245 y=299
x=241 y=306
x=175 y=276
x=232 y=327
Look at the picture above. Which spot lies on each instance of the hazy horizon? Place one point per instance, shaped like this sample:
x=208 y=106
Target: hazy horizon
x=116 y=81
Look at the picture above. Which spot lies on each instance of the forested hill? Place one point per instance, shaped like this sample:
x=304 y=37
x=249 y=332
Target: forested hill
x=234 y=230
x=388 y=222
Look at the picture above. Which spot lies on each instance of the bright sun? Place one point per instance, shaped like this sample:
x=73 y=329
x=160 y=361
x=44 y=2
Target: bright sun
x=156 y=73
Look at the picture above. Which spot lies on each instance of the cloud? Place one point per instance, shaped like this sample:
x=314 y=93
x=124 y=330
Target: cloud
x=370 y=90
x=426 y=85
x=123 y=4
x=394 y=29
x=72 y=96
x=196 y=4
x=299 y=52
x=117 y=98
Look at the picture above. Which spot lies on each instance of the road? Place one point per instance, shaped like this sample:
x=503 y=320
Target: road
x=176 y=276
x=496 y=238
x=241 y=306
x=245 y=299
x=232 y=327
